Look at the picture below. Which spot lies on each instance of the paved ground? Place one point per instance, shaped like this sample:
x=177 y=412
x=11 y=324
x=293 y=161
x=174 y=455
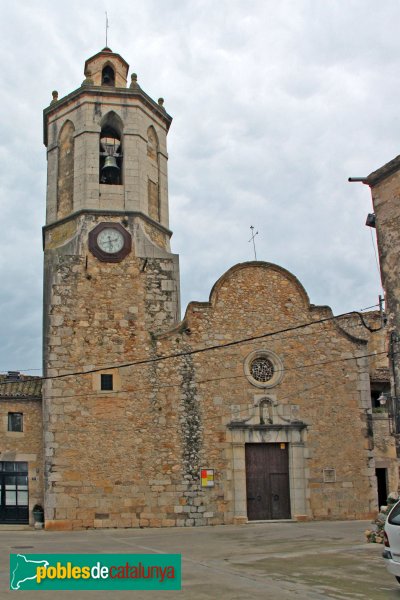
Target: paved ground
x=284 y=561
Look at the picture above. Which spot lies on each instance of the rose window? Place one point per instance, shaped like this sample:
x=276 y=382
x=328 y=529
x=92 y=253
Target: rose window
x=262 y=369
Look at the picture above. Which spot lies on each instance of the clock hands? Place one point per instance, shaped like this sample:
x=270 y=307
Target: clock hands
x=110 y=241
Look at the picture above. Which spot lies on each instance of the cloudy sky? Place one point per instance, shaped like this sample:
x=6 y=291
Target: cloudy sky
x=275 y=105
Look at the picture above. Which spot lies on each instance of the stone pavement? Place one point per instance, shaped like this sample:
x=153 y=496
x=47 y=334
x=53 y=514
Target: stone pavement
x=287 y=561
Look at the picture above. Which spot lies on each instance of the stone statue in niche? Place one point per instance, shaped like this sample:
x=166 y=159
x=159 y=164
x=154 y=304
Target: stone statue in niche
x=266 y=412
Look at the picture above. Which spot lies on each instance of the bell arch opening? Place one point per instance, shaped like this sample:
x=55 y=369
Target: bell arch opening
x=110 y=151
x=108 y=76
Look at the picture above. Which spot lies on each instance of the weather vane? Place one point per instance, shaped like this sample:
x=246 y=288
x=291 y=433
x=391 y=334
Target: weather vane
x=253 y=235
x=106 y=29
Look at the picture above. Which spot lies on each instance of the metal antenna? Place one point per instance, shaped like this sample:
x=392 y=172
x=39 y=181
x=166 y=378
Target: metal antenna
x=107 y=30
x=253 y=235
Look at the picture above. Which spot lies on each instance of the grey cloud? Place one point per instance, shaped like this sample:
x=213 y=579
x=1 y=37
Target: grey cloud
x=274 y=106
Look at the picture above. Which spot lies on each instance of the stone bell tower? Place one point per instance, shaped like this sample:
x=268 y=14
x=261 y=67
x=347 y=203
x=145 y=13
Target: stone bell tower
x=110 y=280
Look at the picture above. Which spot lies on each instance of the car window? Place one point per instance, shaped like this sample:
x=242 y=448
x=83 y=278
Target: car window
x=394 y=515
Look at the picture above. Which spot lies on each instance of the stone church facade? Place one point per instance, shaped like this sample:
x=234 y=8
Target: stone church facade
x=256 y=406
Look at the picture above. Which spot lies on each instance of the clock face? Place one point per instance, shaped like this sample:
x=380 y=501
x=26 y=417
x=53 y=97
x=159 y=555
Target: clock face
x=110 y=240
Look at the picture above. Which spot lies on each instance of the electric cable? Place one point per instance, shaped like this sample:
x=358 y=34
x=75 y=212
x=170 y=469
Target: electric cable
x=201 y=350
x=346 y=328
x=159 y=386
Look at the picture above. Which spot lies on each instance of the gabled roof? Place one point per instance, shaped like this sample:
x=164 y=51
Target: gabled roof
x=26 y=387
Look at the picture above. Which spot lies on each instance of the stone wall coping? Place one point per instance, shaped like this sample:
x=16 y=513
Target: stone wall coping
x=383 y=172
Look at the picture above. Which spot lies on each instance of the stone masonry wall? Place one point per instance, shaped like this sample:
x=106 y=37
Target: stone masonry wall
x=325 y=385
x=100 y=315
x=201 y=394
x=132 y=457
x=381 y=424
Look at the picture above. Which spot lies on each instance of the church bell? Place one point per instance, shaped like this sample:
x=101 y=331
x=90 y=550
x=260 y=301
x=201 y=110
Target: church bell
x=110 y=170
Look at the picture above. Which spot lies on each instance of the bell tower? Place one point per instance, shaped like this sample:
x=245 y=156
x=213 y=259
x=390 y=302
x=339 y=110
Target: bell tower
x=106 y=146
x=110 y=280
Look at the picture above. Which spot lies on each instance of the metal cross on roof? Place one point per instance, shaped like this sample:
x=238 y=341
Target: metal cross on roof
x=253 y=235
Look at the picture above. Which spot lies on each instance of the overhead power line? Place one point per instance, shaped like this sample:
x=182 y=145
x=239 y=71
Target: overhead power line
x=157 y=359
x=160 y=386
x=287 y=335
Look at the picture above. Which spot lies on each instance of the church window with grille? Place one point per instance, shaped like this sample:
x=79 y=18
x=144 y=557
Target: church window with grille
x=262 y=369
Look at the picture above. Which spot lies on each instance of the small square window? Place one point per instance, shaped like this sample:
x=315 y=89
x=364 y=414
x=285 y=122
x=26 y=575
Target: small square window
x=106 y=381
x=329 y=475
x=15 y=421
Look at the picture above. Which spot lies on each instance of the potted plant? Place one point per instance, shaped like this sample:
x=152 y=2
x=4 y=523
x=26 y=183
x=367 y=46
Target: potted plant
x=38 y=513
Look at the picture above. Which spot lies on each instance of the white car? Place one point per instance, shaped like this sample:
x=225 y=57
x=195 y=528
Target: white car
x=392 y=542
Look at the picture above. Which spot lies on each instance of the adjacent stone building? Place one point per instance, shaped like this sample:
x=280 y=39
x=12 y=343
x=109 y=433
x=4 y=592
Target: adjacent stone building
x=256 y=406
x=21 y=449
x=385 y=191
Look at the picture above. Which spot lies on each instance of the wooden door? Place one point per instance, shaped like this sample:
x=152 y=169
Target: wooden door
x=267 y=481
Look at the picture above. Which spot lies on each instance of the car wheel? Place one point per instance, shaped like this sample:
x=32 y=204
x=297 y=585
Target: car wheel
x=398 y=578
